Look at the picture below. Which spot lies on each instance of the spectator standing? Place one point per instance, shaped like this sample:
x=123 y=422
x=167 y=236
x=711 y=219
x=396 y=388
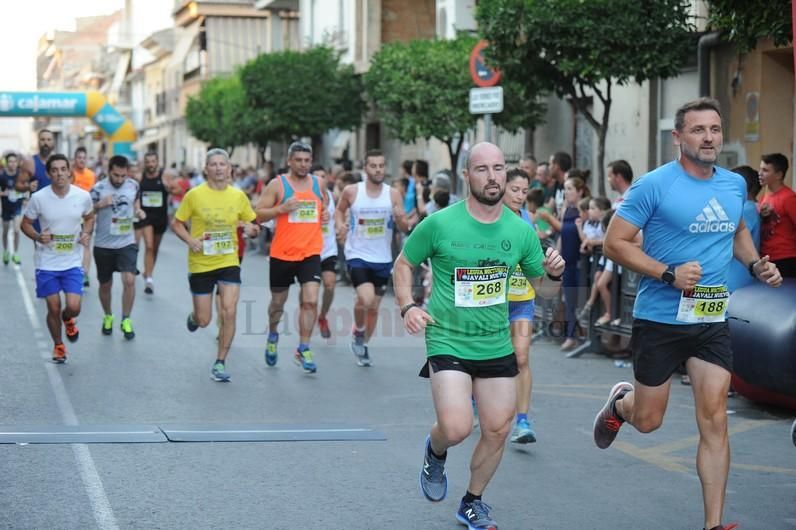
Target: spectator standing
x=778 y=212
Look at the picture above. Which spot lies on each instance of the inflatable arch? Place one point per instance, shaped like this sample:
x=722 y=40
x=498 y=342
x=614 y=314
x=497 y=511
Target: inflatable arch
x=92 y=104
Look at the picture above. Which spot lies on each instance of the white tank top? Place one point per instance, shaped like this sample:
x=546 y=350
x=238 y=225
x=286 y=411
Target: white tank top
x=329 y=240
x=370 y=227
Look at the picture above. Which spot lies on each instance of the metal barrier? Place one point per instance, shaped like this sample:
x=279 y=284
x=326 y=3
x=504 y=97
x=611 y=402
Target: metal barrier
x=623 y=295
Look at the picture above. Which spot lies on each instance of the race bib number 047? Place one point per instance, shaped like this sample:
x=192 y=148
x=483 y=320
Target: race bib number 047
x=307 y=212
x=703 y=304
x=480 y=286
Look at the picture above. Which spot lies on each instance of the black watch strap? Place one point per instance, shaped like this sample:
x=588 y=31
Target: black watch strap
x=407 y=307
x=752 y=268
x=555 y=278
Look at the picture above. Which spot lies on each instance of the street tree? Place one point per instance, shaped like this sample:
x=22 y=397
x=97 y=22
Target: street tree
x=578 y=49
x=294 y=94
x=748 y=21
x=217 y=114
x=421 y=90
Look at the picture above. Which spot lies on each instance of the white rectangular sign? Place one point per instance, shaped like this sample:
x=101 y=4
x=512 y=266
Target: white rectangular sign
x=486 y=100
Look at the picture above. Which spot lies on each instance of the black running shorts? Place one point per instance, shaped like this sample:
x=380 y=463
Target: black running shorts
x=110 y=260
x=205 y=282
x=283 y=273
x=505 y=366
x=658 y=349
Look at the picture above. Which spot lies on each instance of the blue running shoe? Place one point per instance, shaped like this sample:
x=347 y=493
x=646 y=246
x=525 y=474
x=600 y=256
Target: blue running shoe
x=219 y=373
x=358 y=347
x=793 y=432
x=270 y=352
x=476 y=515
x=433 y=478
x=304 y=359
x=523 y=433
x=364 y=359
x=191 y=324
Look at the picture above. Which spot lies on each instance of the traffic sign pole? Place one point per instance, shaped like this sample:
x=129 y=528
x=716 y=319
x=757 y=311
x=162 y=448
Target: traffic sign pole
x=488 y=127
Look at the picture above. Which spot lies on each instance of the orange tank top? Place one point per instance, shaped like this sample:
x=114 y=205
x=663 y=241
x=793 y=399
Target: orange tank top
x=297 y=235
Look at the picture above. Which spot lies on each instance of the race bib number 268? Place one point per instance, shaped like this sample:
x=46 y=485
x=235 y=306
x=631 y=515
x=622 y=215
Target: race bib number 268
x=480 y=286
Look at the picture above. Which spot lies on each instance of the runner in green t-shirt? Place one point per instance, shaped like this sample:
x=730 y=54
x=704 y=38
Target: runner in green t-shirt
x=473 y=246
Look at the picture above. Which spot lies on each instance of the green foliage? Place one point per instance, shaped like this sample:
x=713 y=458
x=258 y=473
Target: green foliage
x=566 y=43
x=421 y=90
x=747 y=21
x=569 y=46
x=294 y=94
x=217 y=115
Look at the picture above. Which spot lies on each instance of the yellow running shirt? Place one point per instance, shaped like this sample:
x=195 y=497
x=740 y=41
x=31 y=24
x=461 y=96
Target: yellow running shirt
x=214 y=216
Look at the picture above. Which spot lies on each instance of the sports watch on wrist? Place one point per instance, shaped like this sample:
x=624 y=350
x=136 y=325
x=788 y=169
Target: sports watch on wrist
x=668 y=275
x=407 y=307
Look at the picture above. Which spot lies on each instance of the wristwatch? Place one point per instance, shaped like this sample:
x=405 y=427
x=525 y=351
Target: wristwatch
x=668 y=275
x=407 y=307
x=752 y=268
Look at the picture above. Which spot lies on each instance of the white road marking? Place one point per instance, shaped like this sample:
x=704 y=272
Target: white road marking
x=100 y=506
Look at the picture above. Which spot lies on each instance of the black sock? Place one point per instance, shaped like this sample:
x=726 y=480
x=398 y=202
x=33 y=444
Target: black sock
x=219 y=361
x=470 y=497
x=435 y=455
x=615 y=411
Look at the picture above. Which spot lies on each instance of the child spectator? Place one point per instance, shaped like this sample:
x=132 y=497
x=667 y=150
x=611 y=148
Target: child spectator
x=592 y=233
x=535 y=205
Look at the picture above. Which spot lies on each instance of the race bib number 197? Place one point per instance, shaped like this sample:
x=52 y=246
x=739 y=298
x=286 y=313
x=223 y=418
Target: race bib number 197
x=480 y=286
x=703 y=304
x=215 y=243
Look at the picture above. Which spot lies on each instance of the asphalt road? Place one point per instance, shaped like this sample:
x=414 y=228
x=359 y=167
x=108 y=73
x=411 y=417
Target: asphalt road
x=162 y=377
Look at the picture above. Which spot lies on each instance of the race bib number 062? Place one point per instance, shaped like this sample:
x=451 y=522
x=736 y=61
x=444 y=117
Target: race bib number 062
x=480 y=286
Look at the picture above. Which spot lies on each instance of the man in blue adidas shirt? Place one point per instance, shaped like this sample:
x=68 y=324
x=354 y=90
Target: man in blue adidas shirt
x=690 y=211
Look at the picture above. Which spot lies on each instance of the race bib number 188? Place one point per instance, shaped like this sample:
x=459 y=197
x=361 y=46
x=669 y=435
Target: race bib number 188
x=703 y=304
x=480 y=286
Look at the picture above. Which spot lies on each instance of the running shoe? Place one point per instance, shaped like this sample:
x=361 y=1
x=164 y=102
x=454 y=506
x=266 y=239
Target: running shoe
x=149 y=286
x=219 y=373
x=323 y=326
x=191 y=324
x=6 y=257
x=270 y=352
x=86 y=281
x=358 y=347
x=523 y=432
x=304 y=360
x=606 y=423
x=476 y=515
x=16 y=259
x=107 y=324
x=433 y=478
x=793 y=432
x=127 y=329
x=364 y=360
x=59 y=354
x=731 y=526
x=72 y=333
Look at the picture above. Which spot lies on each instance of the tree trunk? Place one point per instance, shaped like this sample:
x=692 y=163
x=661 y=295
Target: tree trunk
x=602 y=134
x=453 y=155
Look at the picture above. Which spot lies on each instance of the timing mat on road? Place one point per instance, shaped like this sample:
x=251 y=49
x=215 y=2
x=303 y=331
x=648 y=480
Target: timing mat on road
x=194 y=432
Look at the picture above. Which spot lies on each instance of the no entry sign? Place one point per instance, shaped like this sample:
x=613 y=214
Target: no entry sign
x=483 y=75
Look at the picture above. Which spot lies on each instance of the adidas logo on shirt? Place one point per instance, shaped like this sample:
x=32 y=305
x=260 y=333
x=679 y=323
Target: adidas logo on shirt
x=712 y=219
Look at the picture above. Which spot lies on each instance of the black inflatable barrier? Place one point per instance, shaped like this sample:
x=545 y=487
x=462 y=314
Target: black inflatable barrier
x=762 y=324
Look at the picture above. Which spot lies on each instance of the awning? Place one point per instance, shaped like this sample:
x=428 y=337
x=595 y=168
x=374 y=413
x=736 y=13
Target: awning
x=339 y=144
x=184 y=39
x=150 y=136
x=120 y=74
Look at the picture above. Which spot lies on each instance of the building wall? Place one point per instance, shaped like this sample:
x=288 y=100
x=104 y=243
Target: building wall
x=405 y=20
x=766 y=75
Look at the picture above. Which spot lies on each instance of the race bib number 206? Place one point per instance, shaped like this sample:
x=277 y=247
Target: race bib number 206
x=480 y=286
